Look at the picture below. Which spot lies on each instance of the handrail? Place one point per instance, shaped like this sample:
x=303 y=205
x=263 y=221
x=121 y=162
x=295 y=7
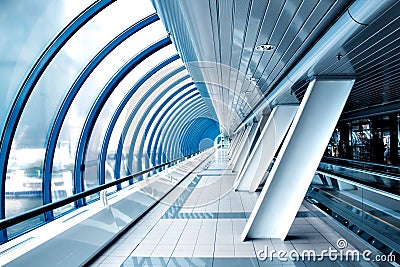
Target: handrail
x=7 y=222
x=373 y=166
x=360 y=170
x=362 y=162
x=367 y=182
x=361 y=185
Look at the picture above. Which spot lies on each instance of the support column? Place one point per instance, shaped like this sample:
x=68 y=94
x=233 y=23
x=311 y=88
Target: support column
x=240 y=146
x=245 y=152
x=394 y=139
x=234 y=142
x=238 y=140
x=344 y=143
x=266 y=147
x=298 y=159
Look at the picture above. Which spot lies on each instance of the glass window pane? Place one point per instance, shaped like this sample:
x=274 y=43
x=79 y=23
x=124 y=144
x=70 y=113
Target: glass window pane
x=31 y=33
x=133 y=102
x=164 y=115
x=35 y=124
x=79 y=109
x=139 y=129
x=96 y=140
x=26 y=31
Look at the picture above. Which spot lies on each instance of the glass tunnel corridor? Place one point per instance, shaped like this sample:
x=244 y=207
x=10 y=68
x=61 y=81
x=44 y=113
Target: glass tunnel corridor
x=92 y=108
x=199 y=133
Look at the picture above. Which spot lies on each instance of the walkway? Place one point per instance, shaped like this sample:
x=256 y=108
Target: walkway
x=200 y=223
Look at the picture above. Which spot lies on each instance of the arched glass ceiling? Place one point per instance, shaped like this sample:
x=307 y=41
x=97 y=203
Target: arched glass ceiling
x=163 y=116
x=94 y=92
x=32 y=27
x=122 y=164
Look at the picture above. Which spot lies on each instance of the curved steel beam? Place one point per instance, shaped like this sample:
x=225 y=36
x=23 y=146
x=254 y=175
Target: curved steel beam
x=155 y=114
x=144 y=116
x=210 y=130
x=97 y=107
x=167 y=118
x=187 y=146
x=170 y=147
x=192 y=133
x=167 y=123
x=158 y=98
x=152 y=151
x=182 y=144
x=27 y=87
x=121 y=106
x=118 y=158
x=175 y=123
x=164 y=118
x=167 y=107
x=69 y=98
x=188 y=137
x=172 y=135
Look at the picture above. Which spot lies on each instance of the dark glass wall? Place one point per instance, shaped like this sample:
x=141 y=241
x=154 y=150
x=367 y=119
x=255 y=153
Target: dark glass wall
x=373 y=139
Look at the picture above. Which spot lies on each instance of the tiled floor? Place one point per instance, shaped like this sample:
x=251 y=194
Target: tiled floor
x=200 y=223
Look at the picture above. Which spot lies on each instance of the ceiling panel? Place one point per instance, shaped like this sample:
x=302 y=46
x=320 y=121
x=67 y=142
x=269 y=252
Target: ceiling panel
x=224 y=34
x=373 y=57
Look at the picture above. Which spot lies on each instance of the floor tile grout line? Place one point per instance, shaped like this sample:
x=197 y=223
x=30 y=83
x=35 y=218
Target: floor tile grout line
x=216 y=226
x=187 y=221
x=215 y=233
x=201 y=225
x=241 y=201
x=184 y=196
x=244 y=210
x=197 y=237
x=222 y=205
x=176 y=244
x=145 y=238
x=154 y=206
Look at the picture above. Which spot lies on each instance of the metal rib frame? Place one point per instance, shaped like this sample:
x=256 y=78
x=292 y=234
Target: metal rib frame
x=97 y=107
x=171 y=136
x=131 y=116
x=178 y=124
x=160 y=108
x=68 y=100
x=188 y=137
x=147 y=111
x=167 y=123
x=183 y=99
x=26 y=90
x=191 y=134
x=164 y=109
x=160 y=125
x=121 y=106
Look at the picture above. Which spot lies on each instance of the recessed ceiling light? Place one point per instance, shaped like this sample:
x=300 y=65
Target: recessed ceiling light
x=250 y=77
x=265 y=47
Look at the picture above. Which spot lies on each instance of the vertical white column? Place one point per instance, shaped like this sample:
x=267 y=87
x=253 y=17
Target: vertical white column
x=266 y=147
x=298 y=159
x=245 y=153
x=240 y=146
x=237 y=143
x=234 y=143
